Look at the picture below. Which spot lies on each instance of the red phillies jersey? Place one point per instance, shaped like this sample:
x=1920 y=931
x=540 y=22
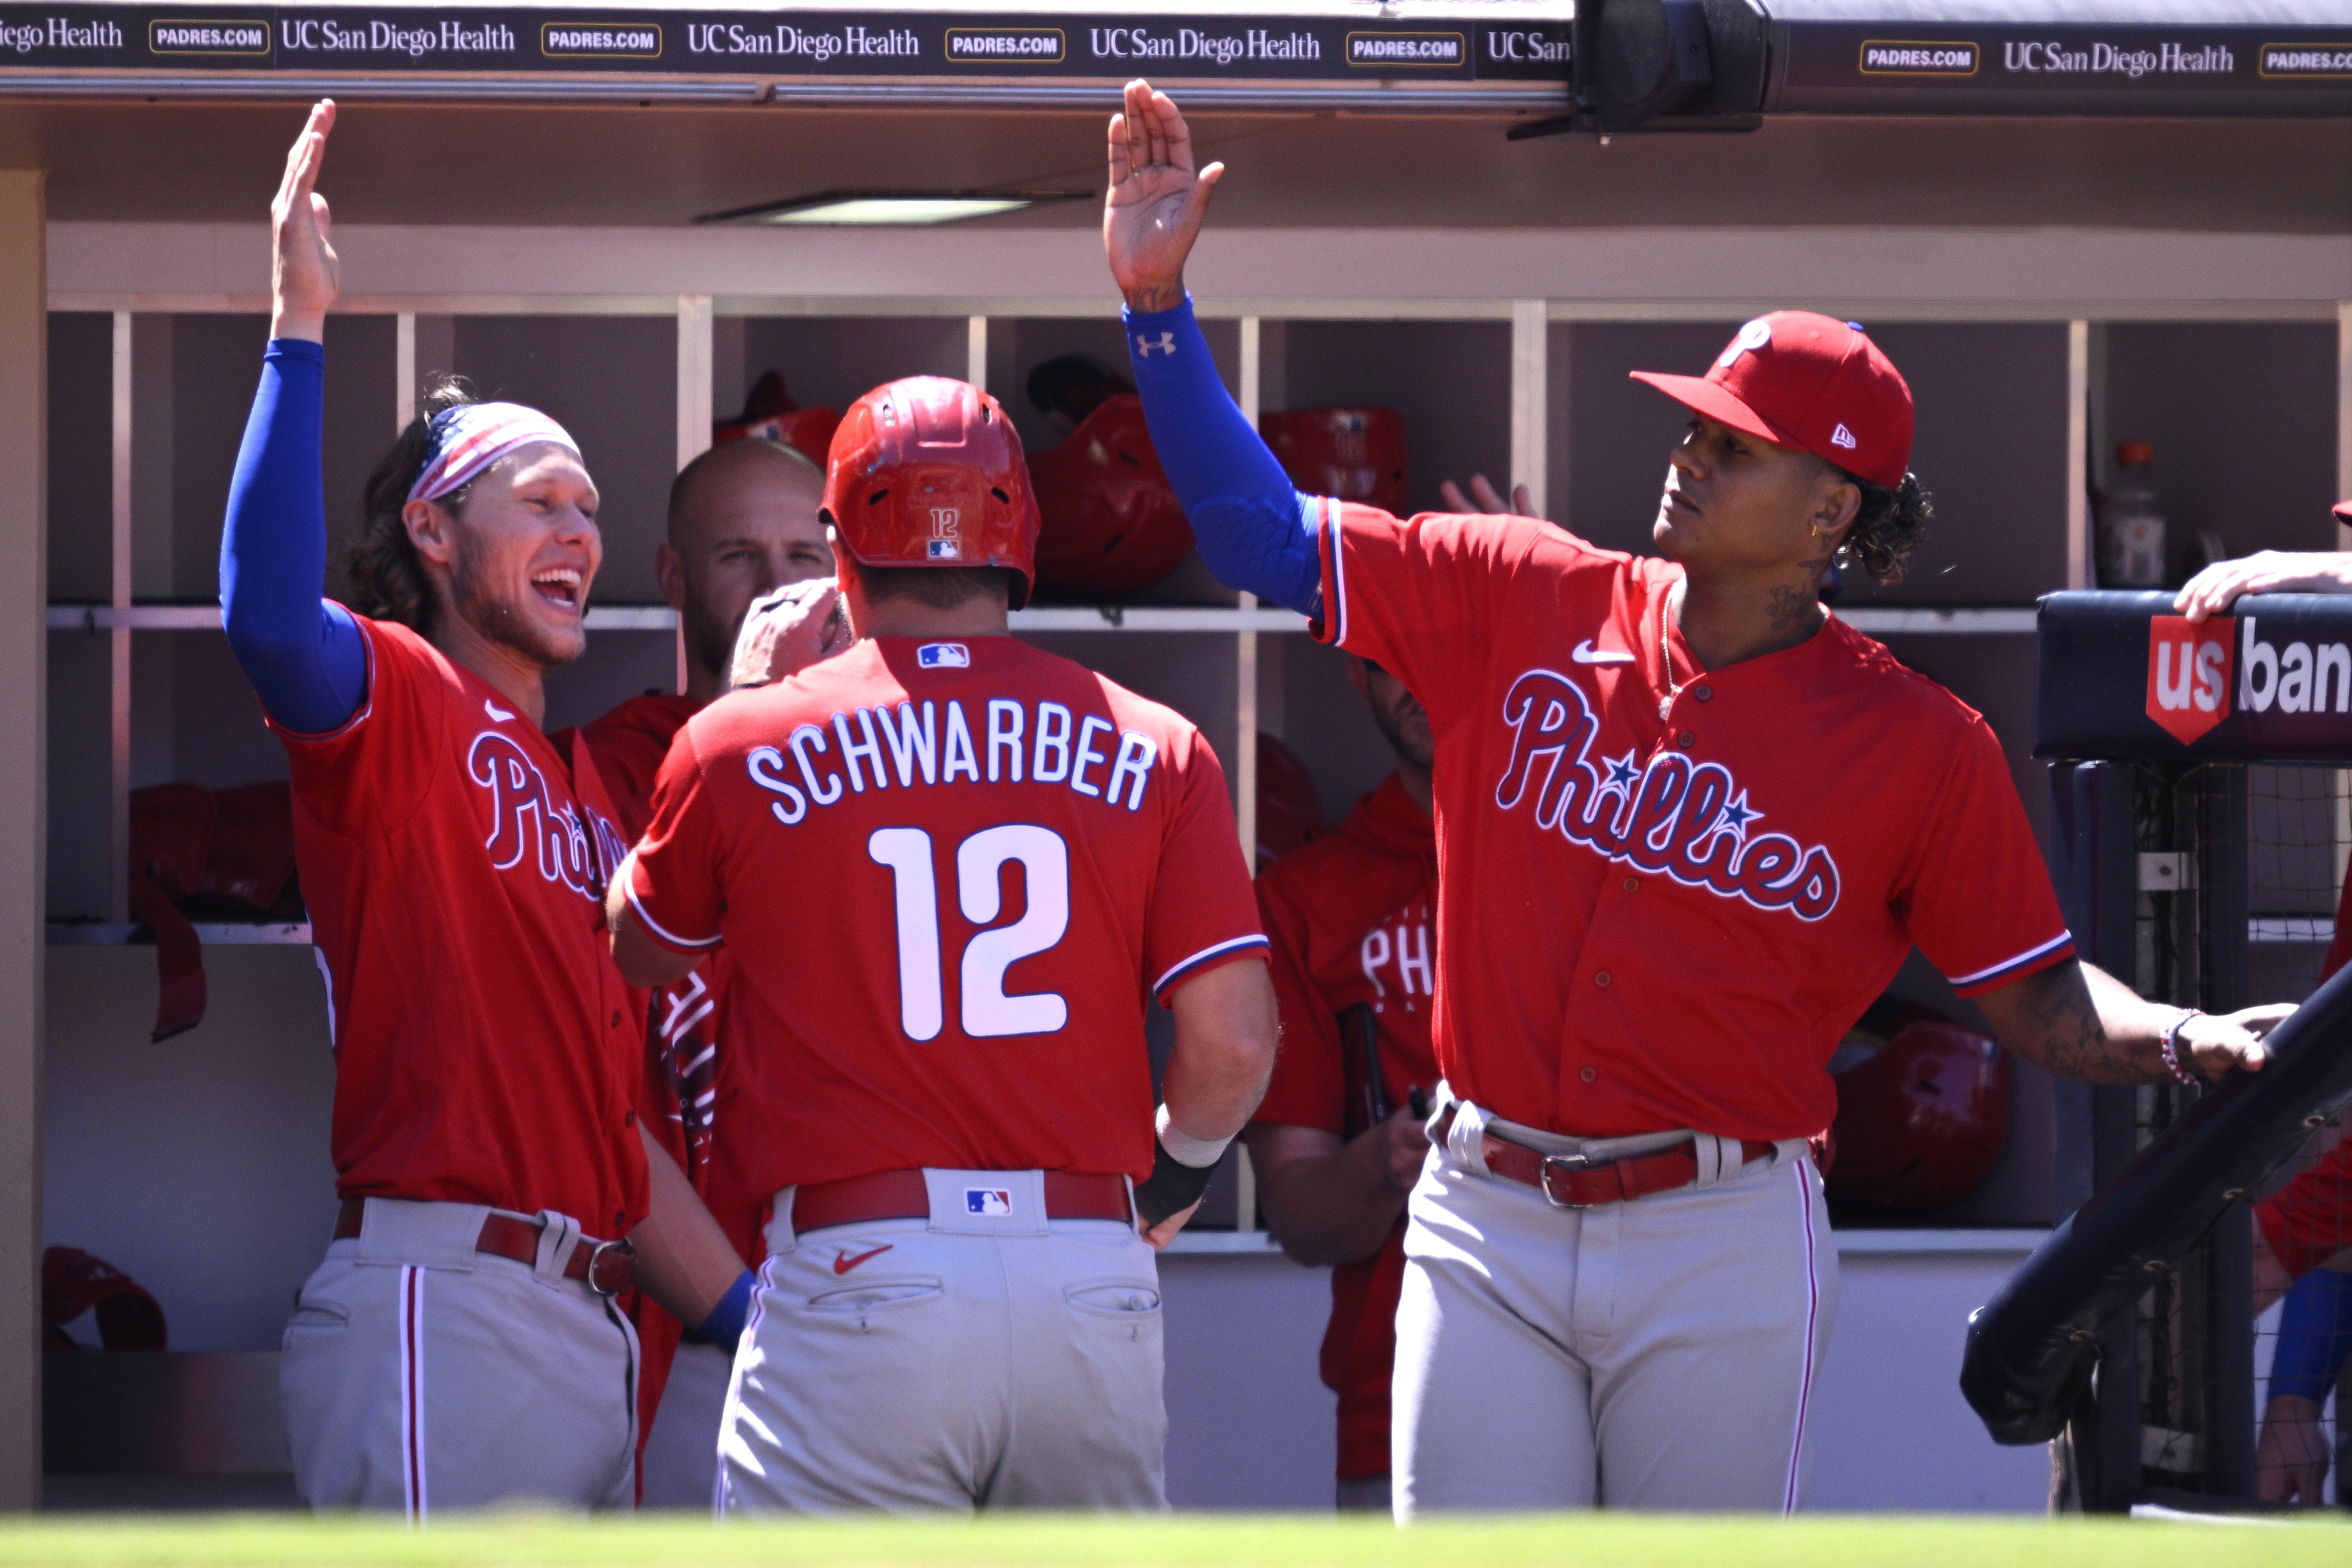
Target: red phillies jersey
x=2309 y=1220
x=949 y=872
x=1669 y=919
x=1352 y=921
x=453 y=862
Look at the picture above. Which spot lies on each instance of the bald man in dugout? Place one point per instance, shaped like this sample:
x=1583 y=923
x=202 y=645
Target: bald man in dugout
x=742 y=521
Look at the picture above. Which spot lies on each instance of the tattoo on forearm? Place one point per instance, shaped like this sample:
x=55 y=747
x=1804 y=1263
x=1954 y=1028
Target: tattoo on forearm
x=2073 y=1042
x=1155 y=297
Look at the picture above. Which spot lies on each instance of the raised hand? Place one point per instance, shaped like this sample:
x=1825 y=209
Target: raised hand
x=1483 y=498
x=1157 y=202
x=305 y=275
x=785 y=632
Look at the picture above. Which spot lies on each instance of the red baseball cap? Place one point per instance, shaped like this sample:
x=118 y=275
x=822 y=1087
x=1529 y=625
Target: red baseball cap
x=1809 y=382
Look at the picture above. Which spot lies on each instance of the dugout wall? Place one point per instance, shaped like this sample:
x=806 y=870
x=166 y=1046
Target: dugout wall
x=2051 y=287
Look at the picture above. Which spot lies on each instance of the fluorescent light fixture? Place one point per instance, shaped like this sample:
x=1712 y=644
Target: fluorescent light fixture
x=900 y=208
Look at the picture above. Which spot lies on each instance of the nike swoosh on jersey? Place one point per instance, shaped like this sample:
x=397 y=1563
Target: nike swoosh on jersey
x=1586 y=654
x=498 y=715
x=843 y=1262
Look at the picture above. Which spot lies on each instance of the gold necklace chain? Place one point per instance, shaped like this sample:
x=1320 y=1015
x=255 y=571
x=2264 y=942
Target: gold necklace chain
x=1666 y=657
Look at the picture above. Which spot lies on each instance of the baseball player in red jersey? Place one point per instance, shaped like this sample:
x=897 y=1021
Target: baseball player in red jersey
x=1689 y=826
x=940 y=1065
x=459 y=1345
x=741 y=521
x=1337 y=1141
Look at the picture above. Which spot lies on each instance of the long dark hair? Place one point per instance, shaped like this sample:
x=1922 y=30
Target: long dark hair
x=388 y=578
x=1888 y=527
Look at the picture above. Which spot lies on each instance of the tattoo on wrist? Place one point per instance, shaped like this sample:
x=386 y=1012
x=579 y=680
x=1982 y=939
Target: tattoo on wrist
x=1154 y=298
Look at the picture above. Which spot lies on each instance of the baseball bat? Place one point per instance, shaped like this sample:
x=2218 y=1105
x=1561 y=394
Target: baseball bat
x=2031 y=1347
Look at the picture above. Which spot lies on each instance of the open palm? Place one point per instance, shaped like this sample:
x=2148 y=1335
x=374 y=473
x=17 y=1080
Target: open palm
x=1157 y=201
x=306 y=273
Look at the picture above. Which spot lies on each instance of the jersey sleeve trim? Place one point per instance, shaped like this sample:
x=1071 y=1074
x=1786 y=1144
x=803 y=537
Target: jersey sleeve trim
x=1328 y=529
x=367 y=697
x=1208 y=955
x=654 y=928
x=2041 y=957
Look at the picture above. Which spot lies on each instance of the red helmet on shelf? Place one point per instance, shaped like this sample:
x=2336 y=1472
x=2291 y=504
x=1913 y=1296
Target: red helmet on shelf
x=770 y=414
x=1112 y=523
x=1354 y=453
x=1289 y=808
x=1923 y=1114
x=928 y=472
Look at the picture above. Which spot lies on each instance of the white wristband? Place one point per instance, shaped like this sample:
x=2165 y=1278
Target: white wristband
x=1183 y=1147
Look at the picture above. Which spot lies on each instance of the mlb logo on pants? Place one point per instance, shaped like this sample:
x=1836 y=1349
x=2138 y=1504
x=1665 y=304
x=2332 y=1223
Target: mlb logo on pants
x=989 y=1202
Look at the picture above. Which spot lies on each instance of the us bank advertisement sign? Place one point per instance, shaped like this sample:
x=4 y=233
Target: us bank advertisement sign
x=2119 y=675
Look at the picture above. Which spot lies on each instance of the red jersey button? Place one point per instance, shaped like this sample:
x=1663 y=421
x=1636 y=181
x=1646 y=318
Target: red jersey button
x=1703 y=693
x=1589 y=1075
x=1685 y=740
x=1632 y=882
x=1602 y=979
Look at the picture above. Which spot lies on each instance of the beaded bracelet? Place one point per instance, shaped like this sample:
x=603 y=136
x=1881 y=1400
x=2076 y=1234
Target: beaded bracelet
x=2169 y=1044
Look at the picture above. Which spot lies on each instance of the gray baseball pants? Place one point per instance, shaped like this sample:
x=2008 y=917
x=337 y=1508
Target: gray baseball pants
x=967 y=1362
x=1654 y=1354
x=421 y=1375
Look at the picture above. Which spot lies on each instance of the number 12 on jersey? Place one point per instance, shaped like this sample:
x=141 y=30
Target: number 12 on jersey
x=980 y=861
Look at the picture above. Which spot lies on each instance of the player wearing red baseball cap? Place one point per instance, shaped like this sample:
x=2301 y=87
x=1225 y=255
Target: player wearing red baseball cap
x=1690 y=826
x=459 y=1345
x=1337 y=1141
x=940 y=1065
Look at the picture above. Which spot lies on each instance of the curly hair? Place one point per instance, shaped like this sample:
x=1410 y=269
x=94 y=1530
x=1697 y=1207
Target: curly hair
x=1888 y=526
x=388 y=579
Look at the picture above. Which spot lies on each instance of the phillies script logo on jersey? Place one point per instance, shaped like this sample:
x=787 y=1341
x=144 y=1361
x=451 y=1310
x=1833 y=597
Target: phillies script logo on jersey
x=578 y=849
x=2189 y=673
x=1400 y=944
x=1677 y=817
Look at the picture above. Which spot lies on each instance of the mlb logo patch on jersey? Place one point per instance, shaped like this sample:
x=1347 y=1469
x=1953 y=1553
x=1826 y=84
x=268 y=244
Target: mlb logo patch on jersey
x=988 y=1202
x=943 y=656
x=940 y=550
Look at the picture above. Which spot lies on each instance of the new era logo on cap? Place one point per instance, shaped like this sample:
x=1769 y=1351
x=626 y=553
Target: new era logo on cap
x=988 y=1202
x=943 y=656
x=1844 y=437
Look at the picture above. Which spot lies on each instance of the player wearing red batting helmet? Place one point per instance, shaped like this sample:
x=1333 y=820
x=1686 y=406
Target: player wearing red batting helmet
x=460 y=1344
x=1691 y=824
x=940 y=1066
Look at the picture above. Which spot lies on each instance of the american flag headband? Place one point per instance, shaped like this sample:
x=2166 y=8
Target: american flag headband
x=467 y=439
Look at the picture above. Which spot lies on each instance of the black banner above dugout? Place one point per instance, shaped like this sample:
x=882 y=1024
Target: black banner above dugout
x=1618 y=65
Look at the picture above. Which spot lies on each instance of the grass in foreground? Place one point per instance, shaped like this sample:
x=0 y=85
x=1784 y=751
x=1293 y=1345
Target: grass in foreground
x=1262 y=1541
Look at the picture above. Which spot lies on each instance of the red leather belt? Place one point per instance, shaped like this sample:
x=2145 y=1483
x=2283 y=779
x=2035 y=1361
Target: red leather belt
x=1577 y=1181
x=608 y=1268
x=904 y=1195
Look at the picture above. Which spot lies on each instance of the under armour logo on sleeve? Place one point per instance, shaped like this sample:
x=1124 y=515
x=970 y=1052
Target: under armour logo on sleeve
x=1145 y=347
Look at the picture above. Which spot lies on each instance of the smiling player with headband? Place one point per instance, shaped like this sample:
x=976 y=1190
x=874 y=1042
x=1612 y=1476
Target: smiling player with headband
x=459 y=1345
x=1691 y=825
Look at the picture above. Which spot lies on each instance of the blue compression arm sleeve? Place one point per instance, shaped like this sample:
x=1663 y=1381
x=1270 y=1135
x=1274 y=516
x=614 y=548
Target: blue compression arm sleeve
x=305 y=655
x=2315 y=1335
x=724 y=1327
x=1255 y=531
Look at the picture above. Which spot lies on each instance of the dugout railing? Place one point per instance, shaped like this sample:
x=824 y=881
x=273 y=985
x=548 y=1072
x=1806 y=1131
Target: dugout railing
x=2201 y=818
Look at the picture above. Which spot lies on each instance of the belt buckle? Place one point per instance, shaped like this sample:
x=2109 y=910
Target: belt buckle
x=1567 y=1163
x=609 y=1280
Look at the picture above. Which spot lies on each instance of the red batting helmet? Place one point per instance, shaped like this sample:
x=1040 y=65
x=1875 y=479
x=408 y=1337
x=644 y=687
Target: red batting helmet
x=1112 y=522
x=770 y=414
x=1923 y=1113
x=1354 y=453
x=1289 y=808
x=928 y=472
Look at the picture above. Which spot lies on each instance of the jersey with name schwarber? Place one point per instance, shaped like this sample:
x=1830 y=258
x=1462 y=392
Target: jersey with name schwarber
x=453 y=862
x=1648 y=920
x=949 y=873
